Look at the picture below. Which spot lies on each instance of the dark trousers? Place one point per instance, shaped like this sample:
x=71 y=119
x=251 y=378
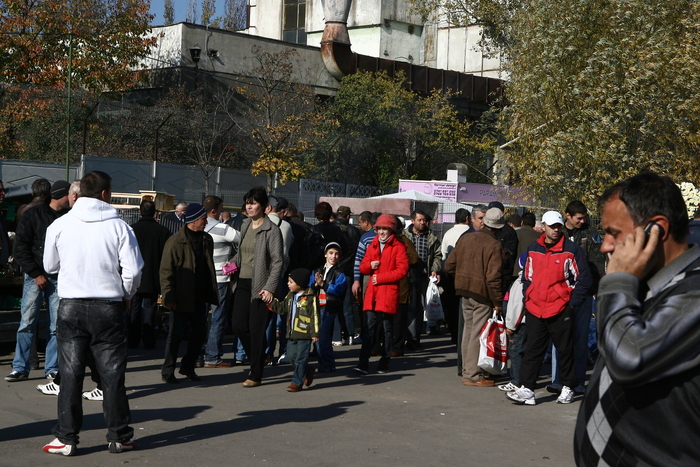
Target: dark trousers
x=460 y=335
x=141 y=320
x=179 y=321
x=298 y=356
x=96 y=326
x=539 y=331
x=399 y=330
x=450 y=305
x=94 y=375
x=324 y=346
x=249 y=321
x=416 y=312
x=374 y=319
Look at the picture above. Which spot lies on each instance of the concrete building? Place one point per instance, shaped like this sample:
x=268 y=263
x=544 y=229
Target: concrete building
x=227 y=59
x=379 y=28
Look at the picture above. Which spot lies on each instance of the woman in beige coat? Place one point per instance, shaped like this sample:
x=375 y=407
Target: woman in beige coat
x=260 y=261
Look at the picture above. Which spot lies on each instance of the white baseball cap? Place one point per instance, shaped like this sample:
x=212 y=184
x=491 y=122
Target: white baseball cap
x=552 y=217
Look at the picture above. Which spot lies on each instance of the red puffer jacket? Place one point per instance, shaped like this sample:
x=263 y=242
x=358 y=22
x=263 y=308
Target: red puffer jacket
x=393 y=266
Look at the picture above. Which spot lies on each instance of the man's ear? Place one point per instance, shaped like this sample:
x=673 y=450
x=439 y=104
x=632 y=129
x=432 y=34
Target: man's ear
x=662 y=221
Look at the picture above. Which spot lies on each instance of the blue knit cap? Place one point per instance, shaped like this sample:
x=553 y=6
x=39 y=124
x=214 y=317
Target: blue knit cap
x=193 y=212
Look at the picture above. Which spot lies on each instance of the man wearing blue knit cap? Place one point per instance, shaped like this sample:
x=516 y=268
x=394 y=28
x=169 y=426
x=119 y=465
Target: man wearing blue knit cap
x=187 y=283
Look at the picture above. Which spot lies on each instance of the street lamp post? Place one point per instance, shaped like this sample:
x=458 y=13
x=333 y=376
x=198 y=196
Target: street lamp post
x=70 y=85
x=195 y=54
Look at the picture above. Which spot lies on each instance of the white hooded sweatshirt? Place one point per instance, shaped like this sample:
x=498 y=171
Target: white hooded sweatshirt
x=94 y=253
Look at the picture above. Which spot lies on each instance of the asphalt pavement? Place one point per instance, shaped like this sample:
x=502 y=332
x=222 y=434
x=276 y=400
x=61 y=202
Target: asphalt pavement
x=418 y=414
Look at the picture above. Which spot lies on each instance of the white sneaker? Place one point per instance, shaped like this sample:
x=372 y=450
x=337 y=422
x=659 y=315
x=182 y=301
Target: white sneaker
x=522 y=395
x=337 y=343
x=57 y=447
x=49 y=389
x=510 y=387
x=94 y=395
x=566 y=396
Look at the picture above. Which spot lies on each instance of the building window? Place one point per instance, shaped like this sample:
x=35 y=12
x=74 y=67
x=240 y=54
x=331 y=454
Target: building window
x=294 y=21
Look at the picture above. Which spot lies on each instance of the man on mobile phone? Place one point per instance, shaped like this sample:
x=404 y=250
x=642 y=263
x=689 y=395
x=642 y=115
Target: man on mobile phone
x=648 y=316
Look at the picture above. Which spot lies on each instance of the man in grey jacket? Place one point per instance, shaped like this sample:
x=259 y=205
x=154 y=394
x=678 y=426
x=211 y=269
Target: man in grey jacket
x=640 y=403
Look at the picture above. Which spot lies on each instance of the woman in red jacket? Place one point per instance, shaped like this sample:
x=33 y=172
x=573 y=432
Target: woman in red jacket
x=386 y=263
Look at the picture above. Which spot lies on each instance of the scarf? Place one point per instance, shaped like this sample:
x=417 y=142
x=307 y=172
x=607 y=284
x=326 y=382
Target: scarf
x=384 y=242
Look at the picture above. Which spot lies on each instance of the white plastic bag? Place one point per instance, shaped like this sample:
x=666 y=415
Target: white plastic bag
x=516 y=309
x=433 y=305
x=493 y=346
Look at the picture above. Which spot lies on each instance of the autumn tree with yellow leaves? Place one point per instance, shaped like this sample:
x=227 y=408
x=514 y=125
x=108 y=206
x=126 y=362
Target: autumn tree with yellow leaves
x=280 y=116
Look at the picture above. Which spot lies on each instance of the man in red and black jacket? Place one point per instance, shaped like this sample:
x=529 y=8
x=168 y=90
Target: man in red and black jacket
x=556 y=280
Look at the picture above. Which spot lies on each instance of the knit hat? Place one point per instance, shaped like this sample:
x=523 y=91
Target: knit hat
x=494 y=218
x=386 y=220
x=335 y=245
x=59 y=189
x=344 y=211
x=552 y=217
x=301 y=276
x=193 y=212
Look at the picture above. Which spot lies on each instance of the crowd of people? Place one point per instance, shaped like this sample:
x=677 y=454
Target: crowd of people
x=291 y=290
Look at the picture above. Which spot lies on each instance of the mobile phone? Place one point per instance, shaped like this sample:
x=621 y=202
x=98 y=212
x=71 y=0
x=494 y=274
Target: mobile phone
x=647 y=231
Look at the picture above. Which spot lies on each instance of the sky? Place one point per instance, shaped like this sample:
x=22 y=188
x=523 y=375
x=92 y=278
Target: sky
x=180 y=10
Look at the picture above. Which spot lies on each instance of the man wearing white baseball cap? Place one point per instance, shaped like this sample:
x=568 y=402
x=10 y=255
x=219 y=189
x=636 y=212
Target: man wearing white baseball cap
x=555 y=280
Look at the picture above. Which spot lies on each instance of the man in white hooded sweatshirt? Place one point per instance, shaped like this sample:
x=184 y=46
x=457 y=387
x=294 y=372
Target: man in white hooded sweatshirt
x=100 y=257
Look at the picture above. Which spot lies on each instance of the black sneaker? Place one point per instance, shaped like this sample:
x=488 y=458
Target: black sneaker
x=170 y=379
x=192 y=376
x=383 y=370
x=360 y=371
x=16 y=376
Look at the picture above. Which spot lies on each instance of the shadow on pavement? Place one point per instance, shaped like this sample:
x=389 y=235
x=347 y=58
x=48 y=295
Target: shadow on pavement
x=246 y=421
x=97 y=422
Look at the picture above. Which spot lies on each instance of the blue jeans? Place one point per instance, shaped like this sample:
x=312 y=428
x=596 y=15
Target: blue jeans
x=32 y=299
x=582 y=324
x=95 y=326
x=276 y=325
x=298 y=356
x=516 y=350
x=217 y=325
x=324 y=346
x=238 y=349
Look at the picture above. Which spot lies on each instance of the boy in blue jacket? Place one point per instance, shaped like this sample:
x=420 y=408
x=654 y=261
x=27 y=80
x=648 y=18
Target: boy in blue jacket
x=302 y=326
x=329 y=282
